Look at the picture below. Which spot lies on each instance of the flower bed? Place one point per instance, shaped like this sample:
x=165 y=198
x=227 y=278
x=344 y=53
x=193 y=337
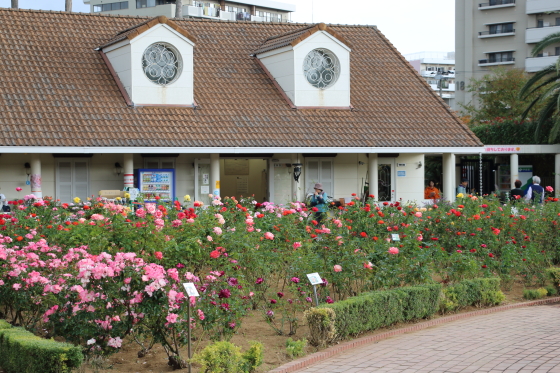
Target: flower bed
x=96 y=273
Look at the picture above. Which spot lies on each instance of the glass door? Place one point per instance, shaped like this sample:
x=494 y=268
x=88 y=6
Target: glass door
x=202 y=181
x=386 y=180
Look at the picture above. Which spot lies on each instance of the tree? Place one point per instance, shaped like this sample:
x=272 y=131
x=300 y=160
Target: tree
x=496 y=95
x=179 y=9
x=545 y=87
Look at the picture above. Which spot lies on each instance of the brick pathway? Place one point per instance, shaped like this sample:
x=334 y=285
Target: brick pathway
x=517 y=340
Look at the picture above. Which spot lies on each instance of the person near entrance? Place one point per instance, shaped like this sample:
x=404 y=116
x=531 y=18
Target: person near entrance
x=431 y=192
x=517 y=193
x=462 y=188
x=535 y=191
x=319 y=200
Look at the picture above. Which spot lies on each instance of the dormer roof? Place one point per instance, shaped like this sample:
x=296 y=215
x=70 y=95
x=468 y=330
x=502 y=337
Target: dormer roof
x=132 y=32
x=295 y=37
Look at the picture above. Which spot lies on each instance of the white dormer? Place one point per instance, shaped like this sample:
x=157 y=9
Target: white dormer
x=311 y=66
x=154 y=63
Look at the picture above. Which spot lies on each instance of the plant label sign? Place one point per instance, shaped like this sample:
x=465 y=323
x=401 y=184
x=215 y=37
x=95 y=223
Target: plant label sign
x=395 y=237
x=191 y=289
x=314 y=278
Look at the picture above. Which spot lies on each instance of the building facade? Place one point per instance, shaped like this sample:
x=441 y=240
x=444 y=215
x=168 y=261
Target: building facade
x=491 y=33
x=243 y=10
x=438 y=69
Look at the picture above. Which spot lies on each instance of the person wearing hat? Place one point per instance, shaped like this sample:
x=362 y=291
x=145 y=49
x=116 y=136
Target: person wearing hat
x=319 y=200
x=462 y=188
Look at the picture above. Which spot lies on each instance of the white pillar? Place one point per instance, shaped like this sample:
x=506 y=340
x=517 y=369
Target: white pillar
x=373 y=171
x=35 y=177
x=449 y=176
x=296 y=186
x=215 y=174
x=557 y=174
x=513 y=169
x=128 y=172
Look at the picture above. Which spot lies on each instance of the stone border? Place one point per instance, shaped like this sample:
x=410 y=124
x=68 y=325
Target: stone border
x=316 y=357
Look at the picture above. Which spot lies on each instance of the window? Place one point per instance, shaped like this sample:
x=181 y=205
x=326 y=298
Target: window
x=321 y=68
x=558 y=21
x=159 y=163
x=500 y=57
x=145 y=3
x=111 y=6
x=540 y=23
x=501 y=28
x=162 y=63
x=557 y=51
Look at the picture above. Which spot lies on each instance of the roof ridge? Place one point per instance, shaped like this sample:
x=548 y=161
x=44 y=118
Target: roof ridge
x=136 y=26
x=291 y=32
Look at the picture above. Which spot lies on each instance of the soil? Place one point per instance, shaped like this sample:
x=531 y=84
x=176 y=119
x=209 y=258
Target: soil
x=253 y=328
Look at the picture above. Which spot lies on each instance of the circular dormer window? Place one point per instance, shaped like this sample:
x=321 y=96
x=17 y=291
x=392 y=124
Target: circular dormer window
x=321 y=68
x=162 y=63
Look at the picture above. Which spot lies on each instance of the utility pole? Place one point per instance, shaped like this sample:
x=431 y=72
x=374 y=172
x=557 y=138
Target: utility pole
x=67 y=5
x=179 y=9
x=15 y=4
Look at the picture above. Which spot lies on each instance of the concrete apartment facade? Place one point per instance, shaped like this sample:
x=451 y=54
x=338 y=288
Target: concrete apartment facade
x=490 y=33
x=242 y=10
x=429 y=65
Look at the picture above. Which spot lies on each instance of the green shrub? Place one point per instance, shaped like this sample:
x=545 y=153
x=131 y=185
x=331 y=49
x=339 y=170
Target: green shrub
x=24 y=352
x=480 y=292
x=4 y=324
x=296 y=348
x=551 y=290
x=321 y=322
x=534 y=293
x=378 y=309
x=554 y=275
x=225 y=357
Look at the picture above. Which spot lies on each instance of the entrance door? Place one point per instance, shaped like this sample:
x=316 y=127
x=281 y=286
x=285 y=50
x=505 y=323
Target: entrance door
x=202 y=181
x=386 y=180
x=280 y=181
x=72 y=179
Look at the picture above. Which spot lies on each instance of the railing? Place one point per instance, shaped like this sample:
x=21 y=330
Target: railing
x=496 y=32
x=496 y=2
x=480 y=62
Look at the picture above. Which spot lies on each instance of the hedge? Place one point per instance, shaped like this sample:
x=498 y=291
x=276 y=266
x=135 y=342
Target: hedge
x=479 y=292
x=23 y=352
x=378 y=309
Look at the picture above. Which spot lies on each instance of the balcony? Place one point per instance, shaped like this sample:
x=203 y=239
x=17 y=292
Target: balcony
x=494 y=34
x=217 y=13
x=534 y=35
x=491 y=62
x=534 y=64
x=541 y=6
x=493 y=4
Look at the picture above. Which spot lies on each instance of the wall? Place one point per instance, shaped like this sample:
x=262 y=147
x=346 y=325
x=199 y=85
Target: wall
x=281 y=67
x=410 y=187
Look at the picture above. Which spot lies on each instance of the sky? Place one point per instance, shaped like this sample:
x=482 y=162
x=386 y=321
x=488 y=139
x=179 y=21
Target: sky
x=410 y=25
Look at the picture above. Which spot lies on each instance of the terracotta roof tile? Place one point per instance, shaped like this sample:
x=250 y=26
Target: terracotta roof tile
x=59 y=92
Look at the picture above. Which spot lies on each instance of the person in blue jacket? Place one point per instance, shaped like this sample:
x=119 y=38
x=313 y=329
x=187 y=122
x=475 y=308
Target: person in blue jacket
x=535 y=191
x=319 y=200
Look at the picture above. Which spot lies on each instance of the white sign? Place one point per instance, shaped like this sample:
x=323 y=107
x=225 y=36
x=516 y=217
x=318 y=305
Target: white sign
x=205 y=189
x=205 y=179
x=395 y=237
x=401 y=164
x=314 y=278
x=502 y=149
x=191 y=289
x=133 y=193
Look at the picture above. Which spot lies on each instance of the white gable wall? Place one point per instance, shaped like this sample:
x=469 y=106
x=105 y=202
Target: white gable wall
x=335 y=95
x=281 y=67
x=120 y=60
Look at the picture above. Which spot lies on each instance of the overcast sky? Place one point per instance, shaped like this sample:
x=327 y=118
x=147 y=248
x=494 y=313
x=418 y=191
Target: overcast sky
x=411 y=25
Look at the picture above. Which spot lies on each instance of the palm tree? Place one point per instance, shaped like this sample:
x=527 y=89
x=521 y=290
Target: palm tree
x=179 y=9
x=547 y=83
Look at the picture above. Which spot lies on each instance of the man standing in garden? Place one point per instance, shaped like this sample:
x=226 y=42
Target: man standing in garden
x=462 y=188
x=535 y=191
x=319 y=200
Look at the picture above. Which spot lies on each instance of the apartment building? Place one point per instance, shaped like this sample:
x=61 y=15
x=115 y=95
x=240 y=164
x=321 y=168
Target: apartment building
x=501 y=33
x=242 y=10
x=438 y=69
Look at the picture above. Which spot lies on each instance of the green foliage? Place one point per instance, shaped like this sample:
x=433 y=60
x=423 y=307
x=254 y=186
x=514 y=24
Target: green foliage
x=496 y=95
x=225 y=357
x=551 y=290
x=321 y=322
x=378 y=309
x=17 y=346
x=480 y=292
x=510 y=131
x=535 y=293
x=296 y=348
x=554 y=275
x=4 y=324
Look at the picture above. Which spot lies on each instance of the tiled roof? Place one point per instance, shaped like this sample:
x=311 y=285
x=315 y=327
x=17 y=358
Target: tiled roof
x=57 y=91
x=295 y=37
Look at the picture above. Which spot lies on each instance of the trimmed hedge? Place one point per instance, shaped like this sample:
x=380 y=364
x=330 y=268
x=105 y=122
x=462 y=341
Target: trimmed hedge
x=378 y=309
x=479 y=292
x=23 y=352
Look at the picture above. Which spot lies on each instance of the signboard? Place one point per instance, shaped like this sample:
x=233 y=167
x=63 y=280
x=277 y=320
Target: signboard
x=502 y=149
x=401 y=173
x=395 y=237
x=190 y=289
x=314 y=278
x=401 y=164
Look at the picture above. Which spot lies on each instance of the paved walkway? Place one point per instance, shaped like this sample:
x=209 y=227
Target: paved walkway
x=518 y=340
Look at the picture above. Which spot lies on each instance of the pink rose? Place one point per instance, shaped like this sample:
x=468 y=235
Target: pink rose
x=337 y=268
x=18 y=189
x=418 y=214
x=393 y=250
x=549 y=189
x=269 y=236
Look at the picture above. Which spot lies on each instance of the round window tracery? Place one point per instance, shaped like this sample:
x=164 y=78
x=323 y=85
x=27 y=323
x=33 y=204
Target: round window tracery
x=162 y=63
x=321 y=68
